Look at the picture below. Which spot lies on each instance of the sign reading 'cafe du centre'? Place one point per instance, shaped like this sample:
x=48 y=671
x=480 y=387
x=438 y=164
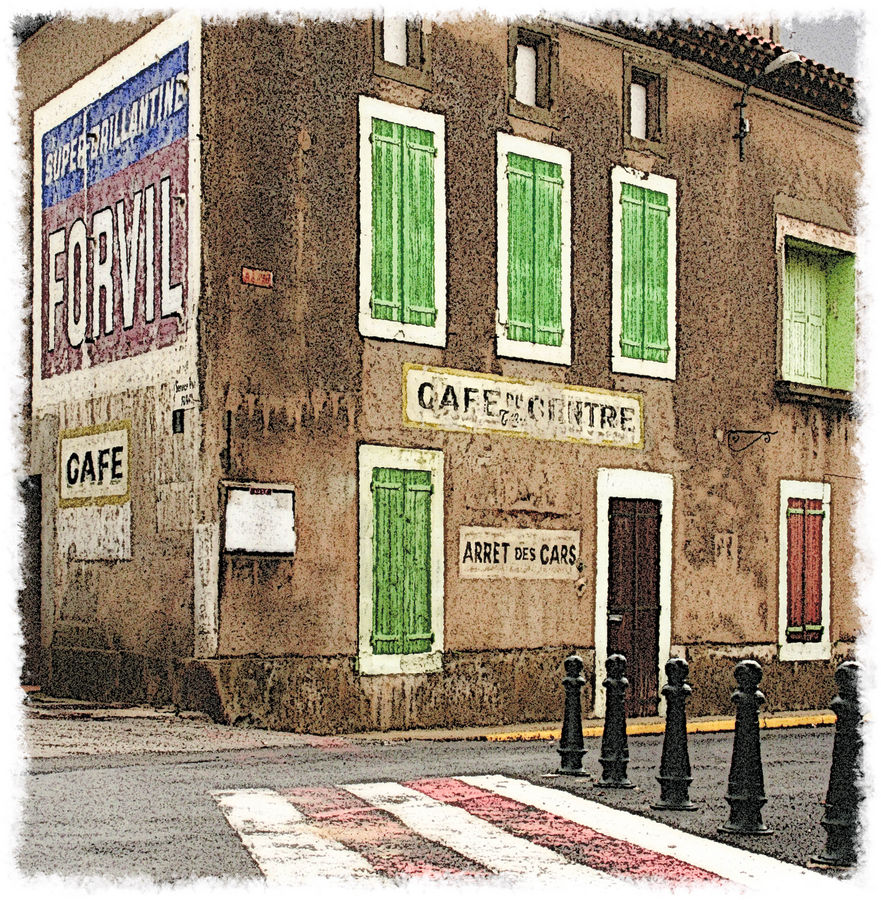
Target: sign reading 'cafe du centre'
x=468 y=401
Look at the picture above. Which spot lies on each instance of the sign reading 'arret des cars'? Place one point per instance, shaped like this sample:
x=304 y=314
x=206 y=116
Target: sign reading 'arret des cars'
x=469 y=401
x=518 y=553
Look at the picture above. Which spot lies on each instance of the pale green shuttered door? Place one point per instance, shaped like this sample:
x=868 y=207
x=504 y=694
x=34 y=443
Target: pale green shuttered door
x=840 y=323
x=804 y=350
x=403 y=161
x=818 y=315
x=401 y=561
x=535 y=200
x=644 y=236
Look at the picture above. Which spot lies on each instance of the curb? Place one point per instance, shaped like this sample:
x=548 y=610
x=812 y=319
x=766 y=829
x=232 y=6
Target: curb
x=704 y=727
x=67 y=708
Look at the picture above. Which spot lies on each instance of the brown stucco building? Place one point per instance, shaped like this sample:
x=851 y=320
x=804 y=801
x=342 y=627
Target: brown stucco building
x=379 y=366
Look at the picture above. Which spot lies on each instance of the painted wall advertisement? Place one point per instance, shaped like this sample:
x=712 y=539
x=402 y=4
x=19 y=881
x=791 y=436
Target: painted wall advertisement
x=453 y=400
x=518 y=553
x=93 y=465
x=112 y=161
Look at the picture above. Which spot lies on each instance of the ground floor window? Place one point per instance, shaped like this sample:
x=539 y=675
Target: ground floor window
x=400 y=625
x=804 y=570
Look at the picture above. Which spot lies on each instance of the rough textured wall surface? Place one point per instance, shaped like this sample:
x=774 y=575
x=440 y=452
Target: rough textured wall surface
x=289 y=388
x=117 y=580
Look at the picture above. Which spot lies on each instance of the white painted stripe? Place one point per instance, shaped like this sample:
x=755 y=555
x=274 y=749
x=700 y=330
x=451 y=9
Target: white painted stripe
x=740 y=866
x=283 y=844
x=473 y=837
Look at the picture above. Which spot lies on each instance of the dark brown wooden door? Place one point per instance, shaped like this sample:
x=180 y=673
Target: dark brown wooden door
x=31 y=493
x=634 y=604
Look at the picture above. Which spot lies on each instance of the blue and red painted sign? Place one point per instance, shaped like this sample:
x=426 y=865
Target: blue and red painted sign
x=114 y=195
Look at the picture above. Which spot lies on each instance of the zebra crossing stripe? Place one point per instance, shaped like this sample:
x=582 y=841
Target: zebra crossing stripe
x=381 y=838
x=283 y=844
x=576 y=842
x=732 y=863
x=474 y=838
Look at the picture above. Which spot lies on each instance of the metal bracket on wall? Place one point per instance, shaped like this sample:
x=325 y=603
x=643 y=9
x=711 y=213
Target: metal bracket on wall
x=733 y=436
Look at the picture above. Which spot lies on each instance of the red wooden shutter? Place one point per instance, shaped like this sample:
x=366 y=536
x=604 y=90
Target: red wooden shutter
x=813 y=589
x=795 y=559
x=804 y=594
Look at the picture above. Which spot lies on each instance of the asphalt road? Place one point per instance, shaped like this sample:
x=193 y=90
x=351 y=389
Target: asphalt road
x=151 y=814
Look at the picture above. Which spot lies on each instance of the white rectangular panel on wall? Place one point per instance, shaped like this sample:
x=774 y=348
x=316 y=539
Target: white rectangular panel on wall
x=260 y=520
x=532 y=553
x=95 y=532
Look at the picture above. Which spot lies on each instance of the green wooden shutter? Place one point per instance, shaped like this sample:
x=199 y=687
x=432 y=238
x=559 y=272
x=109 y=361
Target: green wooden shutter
x=632 y=270
x=657 y=213
x=644 y=274
x=840 y=325
x=418 y=227
x=386 y=297
x=804 y=316
x=401 y=561
x=547 y=263
x=417 y=634
x=521 y=252
x=387 y=486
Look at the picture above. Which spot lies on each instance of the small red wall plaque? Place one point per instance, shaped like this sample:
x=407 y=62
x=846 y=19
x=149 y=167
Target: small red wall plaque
x=258 y=277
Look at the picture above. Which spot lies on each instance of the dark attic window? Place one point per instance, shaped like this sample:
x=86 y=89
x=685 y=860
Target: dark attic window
x=532 y=74
x=401 y=51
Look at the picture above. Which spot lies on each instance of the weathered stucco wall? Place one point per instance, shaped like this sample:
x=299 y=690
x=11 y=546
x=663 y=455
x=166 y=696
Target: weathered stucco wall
x=289 y=388
x=117 y=580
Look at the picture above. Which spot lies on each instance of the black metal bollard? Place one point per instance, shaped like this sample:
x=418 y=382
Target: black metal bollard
x=614 y=754
x=675 y=774
x=746 y=782
x=571 y=748
x=843 y=797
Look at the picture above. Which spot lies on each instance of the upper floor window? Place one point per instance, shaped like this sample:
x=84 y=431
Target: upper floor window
x=643 y=273
x=532 y=73
x=645 y=90
x=403 y=224
x=534 y=313
x=401 y=50
x=394 y=40
x=817 y=327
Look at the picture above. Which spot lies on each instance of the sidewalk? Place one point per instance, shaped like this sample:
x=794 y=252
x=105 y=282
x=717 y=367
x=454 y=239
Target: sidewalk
x=60 y=727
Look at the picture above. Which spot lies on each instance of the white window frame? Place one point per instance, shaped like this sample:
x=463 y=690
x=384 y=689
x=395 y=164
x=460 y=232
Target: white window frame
x=625 y=364
x=562 y=355
x=790 y=651
x=432 y=335
x=371 y=456
x=634 y=484
x=815 y=234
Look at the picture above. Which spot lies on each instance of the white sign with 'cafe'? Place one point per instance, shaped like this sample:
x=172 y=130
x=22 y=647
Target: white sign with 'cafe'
x=94 y=465
x=453 y=400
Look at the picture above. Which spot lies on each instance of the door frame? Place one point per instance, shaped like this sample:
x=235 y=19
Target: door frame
x=633 y=484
